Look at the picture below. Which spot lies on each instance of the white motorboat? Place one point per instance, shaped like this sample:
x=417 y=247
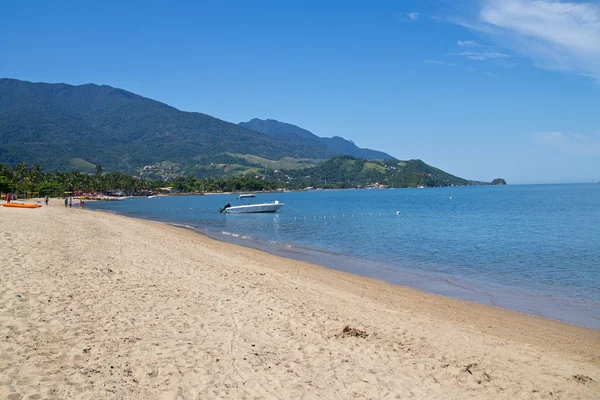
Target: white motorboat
x=251 y=208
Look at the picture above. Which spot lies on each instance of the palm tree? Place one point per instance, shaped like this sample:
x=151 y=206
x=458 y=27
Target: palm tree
x=20 y=172
x=35 y=174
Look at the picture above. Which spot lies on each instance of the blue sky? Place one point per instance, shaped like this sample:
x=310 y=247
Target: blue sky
x=483 y=89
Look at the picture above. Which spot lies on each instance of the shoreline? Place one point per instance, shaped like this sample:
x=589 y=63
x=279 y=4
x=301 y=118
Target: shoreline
x=304 y=257
x=507 y=298
x=234 y=245
x=266 y=253
x=157 y=310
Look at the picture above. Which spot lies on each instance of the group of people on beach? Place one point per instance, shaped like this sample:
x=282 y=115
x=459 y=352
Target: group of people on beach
x=69 y=202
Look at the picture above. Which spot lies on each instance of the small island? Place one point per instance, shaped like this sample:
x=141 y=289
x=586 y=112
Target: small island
x=498 y=181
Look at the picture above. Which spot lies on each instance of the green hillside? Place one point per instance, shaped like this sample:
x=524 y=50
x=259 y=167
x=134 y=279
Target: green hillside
x=337 y=145
x=348 y=171
x=284 y=163
x=79 y=128
x=52 y=124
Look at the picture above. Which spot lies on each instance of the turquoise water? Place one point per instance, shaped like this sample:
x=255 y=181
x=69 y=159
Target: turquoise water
x=529 y=248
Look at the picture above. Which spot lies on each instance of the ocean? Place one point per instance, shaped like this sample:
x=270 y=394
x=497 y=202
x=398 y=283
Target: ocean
x=534 y=249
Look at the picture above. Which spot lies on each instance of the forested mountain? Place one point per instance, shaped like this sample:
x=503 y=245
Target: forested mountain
x=348 y=171
x=273 y=128
x=337 y=145
x=65 y=127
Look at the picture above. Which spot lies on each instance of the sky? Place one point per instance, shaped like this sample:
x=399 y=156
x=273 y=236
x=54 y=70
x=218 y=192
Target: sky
x=479 y=88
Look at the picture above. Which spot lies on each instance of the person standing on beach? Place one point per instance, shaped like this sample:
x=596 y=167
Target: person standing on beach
x=46 y=200
x=8 y=198
x=66 y=202
x=70 y=202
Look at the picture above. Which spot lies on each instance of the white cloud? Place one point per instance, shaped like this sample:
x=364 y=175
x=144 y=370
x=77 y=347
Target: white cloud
x=555 y=35
x=413 y=15
x=574 y=144
x=437 y=62
x=479 y=55
x=468 y=43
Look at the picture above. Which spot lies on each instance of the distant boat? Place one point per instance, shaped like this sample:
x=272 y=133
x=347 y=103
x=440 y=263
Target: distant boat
x=251 y=208
x=152 y=197
x=420 y=187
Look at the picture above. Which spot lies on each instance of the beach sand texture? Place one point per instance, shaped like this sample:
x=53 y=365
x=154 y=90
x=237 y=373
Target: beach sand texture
x=95 y=305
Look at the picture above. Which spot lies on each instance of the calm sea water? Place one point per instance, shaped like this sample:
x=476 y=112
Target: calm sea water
x=530 y=248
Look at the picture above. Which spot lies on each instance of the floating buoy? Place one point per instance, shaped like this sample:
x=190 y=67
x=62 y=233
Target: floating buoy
x=450 y=197
x=397 y=212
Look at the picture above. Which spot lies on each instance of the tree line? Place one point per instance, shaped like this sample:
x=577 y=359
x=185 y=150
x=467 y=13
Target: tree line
x=26 y=179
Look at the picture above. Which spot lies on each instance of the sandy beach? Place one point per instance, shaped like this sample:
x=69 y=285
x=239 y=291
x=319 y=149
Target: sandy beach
x=95 y=305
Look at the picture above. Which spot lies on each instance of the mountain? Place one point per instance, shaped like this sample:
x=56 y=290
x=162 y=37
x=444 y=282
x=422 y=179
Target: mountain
x=348 y=171
x=273 y=128
x=62 y=126
x=337 y=145
x=65 y=127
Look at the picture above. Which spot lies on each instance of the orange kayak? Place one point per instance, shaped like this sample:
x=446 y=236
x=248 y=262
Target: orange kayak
x=21 y=205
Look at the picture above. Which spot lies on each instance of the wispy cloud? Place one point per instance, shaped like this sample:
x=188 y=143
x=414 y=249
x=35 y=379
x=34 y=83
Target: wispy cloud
x=413 y=15
x=554 y=34
x=438 y=62
x=468 y=43
x=479 y=55
x=574 y=144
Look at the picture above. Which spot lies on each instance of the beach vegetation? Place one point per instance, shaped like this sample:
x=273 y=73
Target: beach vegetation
x=23 y=178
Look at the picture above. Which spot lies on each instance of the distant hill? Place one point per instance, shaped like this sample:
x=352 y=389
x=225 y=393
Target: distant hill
x=337 y=145
x=348 y=171
x=61 y=126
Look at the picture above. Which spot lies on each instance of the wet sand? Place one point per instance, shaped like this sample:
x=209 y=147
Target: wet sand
x=95 y=305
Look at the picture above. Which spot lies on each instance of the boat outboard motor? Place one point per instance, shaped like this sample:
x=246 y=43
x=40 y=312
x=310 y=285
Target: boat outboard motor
x=226 y=206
